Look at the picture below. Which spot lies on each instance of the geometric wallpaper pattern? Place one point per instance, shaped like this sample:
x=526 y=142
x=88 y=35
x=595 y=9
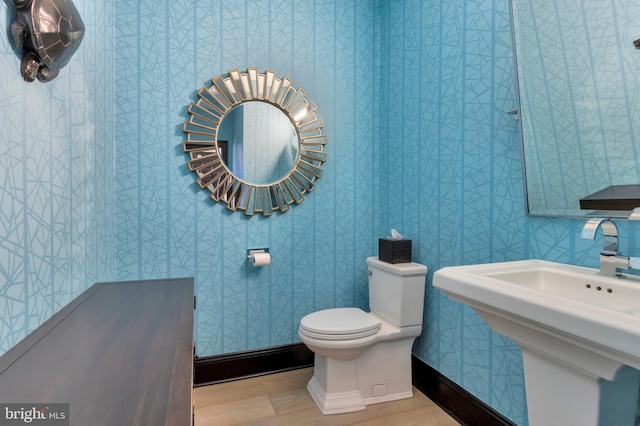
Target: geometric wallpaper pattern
x=167 y=226
x=56 y=177
x=447 y=83
x=414 y=97
x=446 y=141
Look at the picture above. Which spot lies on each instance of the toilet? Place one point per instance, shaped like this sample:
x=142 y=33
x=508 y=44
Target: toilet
x=364 y=358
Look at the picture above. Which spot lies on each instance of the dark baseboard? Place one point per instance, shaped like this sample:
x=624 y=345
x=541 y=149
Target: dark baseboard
x=242 y=365
x=460 y=404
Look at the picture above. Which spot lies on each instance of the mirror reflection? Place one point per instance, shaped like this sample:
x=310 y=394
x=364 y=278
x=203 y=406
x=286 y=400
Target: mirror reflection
x=261 y=142
x=255 y=141
x=579 y=86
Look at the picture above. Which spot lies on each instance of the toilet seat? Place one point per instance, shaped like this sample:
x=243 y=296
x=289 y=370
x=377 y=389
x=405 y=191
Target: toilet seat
x=339 y=324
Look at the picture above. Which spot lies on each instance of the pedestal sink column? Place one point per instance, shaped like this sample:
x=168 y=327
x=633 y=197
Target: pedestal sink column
x=561 y=395
x=568 y=384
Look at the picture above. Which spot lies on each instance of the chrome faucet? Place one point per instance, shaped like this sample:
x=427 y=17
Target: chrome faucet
x=610 y=258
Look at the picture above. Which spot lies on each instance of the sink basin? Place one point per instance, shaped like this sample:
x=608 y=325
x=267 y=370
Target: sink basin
x=567 y=299
x=582 y=285
x=575 y=327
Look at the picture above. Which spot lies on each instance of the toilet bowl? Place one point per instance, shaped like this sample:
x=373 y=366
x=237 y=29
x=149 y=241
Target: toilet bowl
x=364 y=358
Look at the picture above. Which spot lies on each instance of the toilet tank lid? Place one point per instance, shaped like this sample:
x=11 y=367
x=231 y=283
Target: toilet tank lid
x=339 y=321
x=400 y=269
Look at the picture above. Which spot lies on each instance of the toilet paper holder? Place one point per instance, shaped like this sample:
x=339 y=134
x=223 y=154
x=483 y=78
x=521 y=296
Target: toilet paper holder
x=251 y=252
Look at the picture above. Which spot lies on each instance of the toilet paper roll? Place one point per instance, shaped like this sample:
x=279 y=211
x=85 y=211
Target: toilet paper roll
x=261 y=259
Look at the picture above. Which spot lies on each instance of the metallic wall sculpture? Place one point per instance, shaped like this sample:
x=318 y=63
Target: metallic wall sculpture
x=49 y=32
x=206 y=153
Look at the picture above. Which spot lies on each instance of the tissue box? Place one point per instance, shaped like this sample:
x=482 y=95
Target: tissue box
x=394 y=251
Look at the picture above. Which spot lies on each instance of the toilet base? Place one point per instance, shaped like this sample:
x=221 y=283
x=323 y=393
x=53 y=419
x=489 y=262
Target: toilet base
x=346 y=402
x=334 y=385
x=335 y=403
x=381 y=374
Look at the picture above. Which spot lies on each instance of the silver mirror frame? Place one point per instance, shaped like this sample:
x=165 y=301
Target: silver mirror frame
x=205 y=116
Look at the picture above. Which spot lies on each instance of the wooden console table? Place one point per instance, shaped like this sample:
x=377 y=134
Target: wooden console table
x=119 y=354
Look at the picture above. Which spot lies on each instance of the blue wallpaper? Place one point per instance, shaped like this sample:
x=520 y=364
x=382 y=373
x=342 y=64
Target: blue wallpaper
x=57 y=178
x=168 y=227
x=447 y=76
x=414 y=96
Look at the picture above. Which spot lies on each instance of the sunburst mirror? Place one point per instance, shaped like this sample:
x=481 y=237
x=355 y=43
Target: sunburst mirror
x=255 y=141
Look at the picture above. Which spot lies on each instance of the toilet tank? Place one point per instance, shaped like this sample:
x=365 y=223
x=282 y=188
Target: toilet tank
x=396 y=291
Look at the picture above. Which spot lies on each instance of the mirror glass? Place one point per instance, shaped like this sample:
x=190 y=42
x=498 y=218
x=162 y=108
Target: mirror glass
x=579 y=90
x=262 y=144
x=255 y=141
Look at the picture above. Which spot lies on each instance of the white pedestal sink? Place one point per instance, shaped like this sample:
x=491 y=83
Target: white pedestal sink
x=579 y=333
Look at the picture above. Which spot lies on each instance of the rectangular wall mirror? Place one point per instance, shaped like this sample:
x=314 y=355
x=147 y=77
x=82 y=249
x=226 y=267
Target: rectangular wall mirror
x=578 y=74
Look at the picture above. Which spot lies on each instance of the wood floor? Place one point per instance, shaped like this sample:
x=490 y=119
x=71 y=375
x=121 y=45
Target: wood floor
x=282 y=399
